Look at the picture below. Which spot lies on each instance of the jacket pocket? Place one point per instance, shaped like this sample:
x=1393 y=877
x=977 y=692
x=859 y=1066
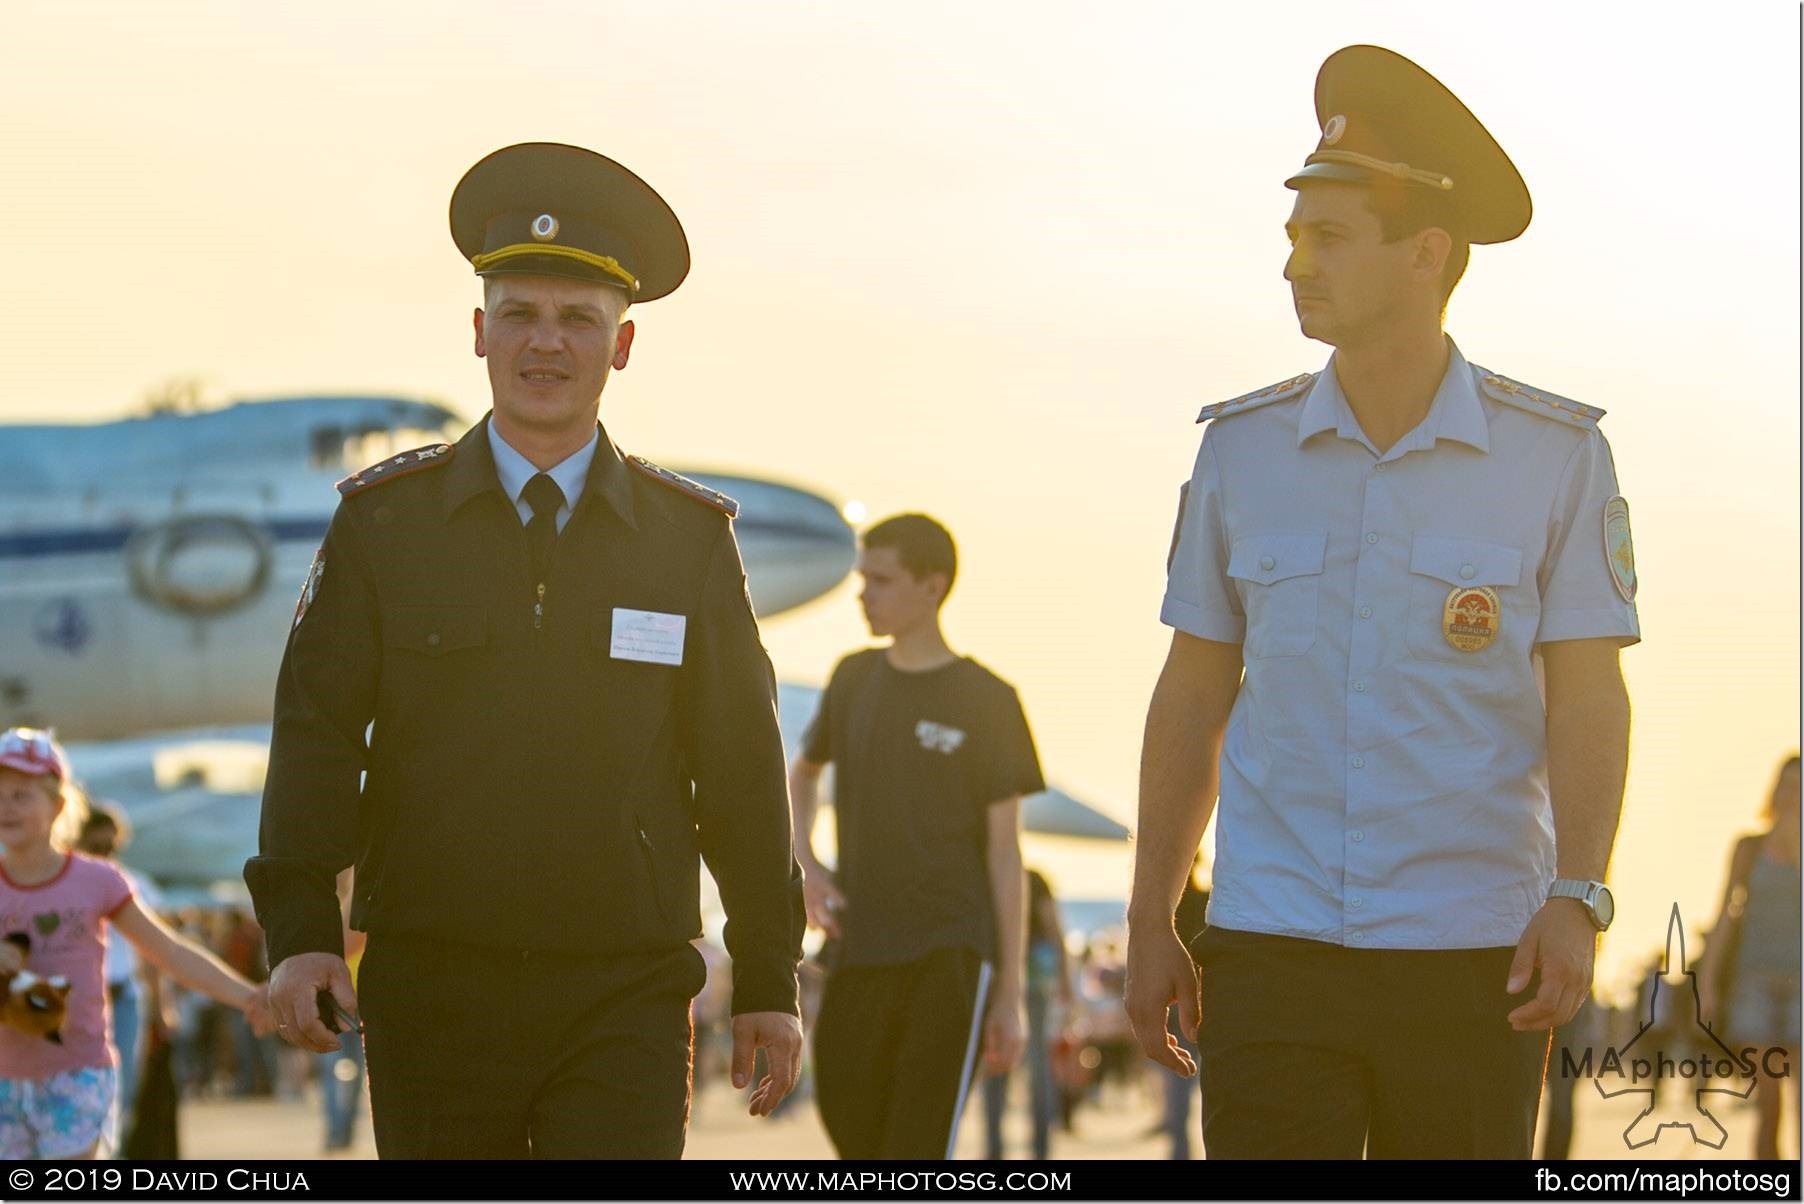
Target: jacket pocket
x=1280 y=575
x=435 y=631
x=1439 y=566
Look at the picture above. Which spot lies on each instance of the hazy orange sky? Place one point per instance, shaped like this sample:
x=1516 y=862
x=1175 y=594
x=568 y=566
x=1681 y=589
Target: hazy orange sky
x=982 y=260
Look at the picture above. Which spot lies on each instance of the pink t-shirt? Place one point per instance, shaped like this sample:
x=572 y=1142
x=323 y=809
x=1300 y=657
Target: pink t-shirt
x=63 y=917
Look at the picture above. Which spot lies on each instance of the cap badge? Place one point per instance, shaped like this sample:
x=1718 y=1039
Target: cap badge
x=544 y=227
x=1471 y=617
x=1333 y=131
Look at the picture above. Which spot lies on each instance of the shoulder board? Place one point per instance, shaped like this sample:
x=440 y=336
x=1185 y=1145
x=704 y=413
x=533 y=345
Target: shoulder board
x=1536 y=401
x=1284 y=390
x=405 y=464
x=683 y=485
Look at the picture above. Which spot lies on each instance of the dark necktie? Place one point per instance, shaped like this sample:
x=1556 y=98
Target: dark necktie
x=543 y=495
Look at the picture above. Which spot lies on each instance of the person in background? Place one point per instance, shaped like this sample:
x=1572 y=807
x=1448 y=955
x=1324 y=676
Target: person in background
x=1188 y=920
x=341 y=1072
x=925 y=903
x=1748 y=977
x=132 y=989
x=58 y=1098
x=1048 y=993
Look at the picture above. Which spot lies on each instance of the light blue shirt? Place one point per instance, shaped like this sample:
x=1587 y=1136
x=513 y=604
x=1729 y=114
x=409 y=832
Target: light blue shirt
x=1381 y=788
x=515 y=470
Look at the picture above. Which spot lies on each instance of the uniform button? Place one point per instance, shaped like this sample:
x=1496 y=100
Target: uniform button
x=432 y=640
x=1356 y=902
x=1365 y=612
x=1356 y=836
x=1355 y=937
x=1267 y=563
x=1359 y=687
x=1466 y=572
x=1359 y=763
x=1381 y=466
x=1372 y=537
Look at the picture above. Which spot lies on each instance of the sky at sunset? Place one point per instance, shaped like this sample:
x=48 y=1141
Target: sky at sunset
x=984 y=260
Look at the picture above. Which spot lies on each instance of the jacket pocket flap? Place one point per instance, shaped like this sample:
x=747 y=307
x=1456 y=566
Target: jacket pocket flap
x=435 y=630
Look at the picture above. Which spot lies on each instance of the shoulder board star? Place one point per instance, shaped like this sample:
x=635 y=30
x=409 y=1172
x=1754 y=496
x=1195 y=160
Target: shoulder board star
x=682 y=484
x=1284 y=390
x=396 y=467
x=1538 y=401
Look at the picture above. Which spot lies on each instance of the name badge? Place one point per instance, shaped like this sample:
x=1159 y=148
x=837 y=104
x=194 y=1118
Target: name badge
x=647 y=635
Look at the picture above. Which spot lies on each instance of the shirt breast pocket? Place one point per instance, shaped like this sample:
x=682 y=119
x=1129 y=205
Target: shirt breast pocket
x=1468 y=587
x=1280 y=580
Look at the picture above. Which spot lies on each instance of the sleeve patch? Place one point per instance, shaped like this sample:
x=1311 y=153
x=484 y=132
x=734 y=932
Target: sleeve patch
x=1619 y=547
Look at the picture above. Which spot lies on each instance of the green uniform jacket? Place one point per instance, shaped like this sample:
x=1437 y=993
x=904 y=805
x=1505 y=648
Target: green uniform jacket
x=521 y=787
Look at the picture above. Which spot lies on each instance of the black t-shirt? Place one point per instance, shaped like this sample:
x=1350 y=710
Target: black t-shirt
x=918 y=758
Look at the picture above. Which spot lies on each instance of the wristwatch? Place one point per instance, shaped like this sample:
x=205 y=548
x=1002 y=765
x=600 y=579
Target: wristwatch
x=1598 y=902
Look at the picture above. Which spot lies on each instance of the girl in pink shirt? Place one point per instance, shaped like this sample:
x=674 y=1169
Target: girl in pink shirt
x=57 y=1098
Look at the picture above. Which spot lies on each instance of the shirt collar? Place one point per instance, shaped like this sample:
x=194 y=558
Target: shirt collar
x=1456 y=413
x=514 y=470
x=482 y=452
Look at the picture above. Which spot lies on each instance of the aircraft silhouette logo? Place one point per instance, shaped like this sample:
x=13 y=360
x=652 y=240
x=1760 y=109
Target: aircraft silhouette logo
x=1718 y=1070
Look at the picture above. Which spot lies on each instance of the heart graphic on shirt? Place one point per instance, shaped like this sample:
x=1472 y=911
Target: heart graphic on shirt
x=46 y=922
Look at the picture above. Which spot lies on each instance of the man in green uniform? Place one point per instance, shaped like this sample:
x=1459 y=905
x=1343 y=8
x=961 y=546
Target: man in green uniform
x=525 y=694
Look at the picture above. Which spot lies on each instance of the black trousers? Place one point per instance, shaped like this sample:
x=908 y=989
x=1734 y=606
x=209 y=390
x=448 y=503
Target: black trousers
x=895 y=1052
x=1311 y=1050
x=485 y=1053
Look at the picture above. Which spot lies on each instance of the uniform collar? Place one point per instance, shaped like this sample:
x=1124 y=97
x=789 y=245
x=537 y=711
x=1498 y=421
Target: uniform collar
x=1457 y=412
x=476 y=469
x=514 y=470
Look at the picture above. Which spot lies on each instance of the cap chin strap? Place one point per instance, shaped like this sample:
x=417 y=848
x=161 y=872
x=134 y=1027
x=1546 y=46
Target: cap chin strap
x=1402 y=171
x=606 y=263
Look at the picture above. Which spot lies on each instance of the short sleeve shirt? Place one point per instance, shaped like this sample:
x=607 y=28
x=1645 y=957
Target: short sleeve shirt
x=1383 y=785
x=65 y=919
x=918 y=759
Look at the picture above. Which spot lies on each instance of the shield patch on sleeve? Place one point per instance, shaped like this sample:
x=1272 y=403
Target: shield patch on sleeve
x=310 y=587
x=1619 y=547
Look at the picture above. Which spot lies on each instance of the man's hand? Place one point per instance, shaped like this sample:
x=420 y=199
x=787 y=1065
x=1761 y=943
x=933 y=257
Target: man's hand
x=12 y=959
x=1561 y=942
x=294 y=995
x=822 y=899
x=1004 y=1034
x=779 y=1035
x=1159 y=973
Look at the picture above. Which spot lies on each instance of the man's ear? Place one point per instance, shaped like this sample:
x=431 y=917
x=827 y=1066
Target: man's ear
x=940 y=586
x=623 y=345
x=476 y=317
x=1433 y=246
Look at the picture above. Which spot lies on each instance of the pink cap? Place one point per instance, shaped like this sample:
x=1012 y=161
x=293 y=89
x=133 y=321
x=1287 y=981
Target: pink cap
x=35 y=751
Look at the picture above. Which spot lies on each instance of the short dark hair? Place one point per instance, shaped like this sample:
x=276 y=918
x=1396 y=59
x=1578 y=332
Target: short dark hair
x=1404 y=210
x=106 y=815
x=922 y=545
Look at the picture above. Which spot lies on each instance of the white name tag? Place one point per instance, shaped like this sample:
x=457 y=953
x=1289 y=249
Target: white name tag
x=647 y=635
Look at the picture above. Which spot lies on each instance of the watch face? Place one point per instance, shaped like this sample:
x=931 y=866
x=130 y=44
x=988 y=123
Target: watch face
x=1603 y=906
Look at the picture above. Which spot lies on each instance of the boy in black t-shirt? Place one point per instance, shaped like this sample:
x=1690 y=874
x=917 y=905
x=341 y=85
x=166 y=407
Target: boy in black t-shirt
x=931 y=755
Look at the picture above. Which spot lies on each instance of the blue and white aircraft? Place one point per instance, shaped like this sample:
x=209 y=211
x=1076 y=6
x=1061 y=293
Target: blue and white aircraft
x=149 y=567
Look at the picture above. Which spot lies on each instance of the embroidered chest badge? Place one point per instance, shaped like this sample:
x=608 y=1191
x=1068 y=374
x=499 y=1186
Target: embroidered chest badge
x=1472 y=617
x=937 y=737
x=1619 y=548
